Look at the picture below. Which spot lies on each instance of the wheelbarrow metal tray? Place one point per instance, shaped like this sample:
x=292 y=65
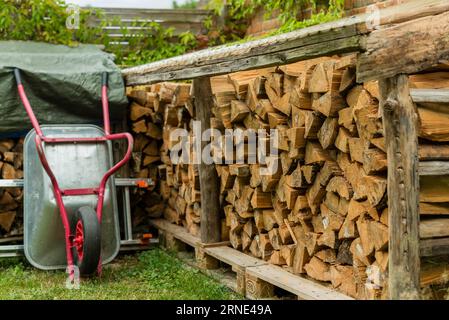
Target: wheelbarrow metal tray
x=75 y=165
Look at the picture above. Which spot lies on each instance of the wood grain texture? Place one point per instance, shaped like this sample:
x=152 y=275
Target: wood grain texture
x=408 y=47
x=260 y=60
x=304 y=288
x=434 y=228
x=177 y=231
x=434 y=247
x=400 y=127
x=430 y=95
x=433 y=168
x=209 y=182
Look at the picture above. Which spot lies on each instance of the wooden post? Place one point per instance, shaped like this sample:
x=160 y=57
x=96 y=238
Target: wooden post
x=209 y=183
x=400 y=128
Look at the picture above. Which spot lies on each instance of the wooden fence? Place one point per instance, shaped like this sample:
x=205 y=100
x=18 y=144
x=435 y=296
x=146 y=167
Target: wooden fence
x=181 y=20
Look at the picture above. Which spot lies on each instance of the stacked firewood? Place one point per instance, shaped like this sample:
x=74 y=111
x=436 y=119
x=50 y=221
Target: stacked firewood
x=11 y=162
x=180 y=177
x=146 y=126
x=156 y=112
x=323 y=212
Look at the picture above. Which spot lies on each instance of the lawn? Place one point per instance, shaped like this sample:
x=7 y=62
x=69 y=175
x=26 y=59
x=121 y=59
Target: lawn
x=154 y=274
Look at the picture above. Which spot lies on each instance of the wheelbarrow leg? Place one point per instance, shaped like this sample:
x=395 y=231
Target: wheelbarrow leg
x=60 y=203
x=99 y=268
x=67 y=234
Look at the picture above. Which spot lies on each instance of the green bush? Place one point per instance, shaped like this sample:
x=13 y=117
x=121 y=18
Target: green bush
x=190 y=4
x=45 y=20
x=239 y=13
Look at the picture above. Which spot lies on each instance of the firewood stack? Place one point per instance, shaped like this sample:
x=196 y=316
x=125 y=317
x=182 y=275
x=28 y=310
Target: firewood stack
x=11 y=211
x=156 y=112
x=180 y=180
x=146 y=121
x=323 y=212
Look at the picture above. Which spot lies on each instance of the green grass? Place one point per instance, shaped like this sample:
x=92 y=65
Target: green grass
x=154 y=274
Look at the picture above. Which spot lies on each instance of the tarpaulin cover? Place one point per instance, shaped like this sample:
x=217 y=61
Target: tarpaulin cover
x=62 y=83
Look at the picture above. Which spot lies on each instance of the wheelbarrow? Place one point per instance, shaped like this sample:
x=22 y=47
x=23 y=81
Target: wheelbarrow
x=68 y=172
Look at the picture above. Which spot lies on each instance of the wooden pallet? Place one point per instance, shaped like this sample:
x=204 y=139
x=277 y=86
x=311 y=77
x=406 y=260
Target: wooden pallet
x=238 y=261
x=261 y=281
x=255 y=278
x=173 y=236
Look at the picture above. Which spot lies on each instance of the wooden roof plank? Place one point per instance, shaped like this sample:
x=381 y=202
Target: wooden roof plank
x=256 y=61
x=293 y=46
x=407 y=47
x=343 y=28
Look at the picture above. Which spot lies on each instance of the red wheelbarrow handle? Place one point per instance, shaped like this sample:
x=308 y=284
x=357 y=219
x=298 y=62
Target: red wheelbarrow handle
x=40 y=138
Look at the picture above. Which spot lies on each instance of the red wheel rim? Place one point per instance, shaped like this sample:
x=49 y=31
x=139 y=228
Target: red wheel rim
x=79 y=239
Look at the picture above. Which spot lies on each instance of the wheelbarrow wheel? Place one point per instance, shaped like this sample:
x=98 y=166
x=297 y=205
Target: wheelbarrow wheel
x=86 y=247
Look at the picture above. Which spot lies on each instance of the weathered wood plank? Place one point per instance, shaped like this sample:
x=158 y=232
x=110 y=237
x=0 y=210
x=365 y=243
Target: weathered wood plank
x=430 y=95
x=434 y=228
x=412 y=10
x=228 y=53
x=185 y=15
x=343 y=45
x=432 y=152
x=400 y=127
x=305 y=289
x=434 y=247
x=209 y=183
x=433 y=168
x=234 y=257
x=115 y=32
x=408 y=47
x=177 y=231
x=181 y=20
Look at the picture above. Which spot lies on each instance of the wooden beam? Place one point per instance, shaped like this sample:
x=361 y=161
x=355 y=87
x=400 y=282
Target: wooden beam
x=430 y=95
x=407 y=47
x=180 y=20
x=434 y=228
x=336 y=46
x=434 y=247
x=209 y=182
x=304 y=288
x=432 y=152
x=177 y=231
x=412 y=10
x=230 y=53
x=186 y=15
x=433 y=168
x=401 y=136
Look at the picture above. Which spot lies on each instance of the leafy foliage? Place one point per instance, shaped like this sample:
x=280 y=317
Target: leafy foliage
x=45 y=20
x=190 y=4
x=293 y=14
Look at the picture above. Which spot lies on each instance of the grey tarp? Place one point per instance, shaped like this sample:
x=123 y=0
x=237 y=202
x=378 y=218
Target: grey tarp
x=63 y=84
